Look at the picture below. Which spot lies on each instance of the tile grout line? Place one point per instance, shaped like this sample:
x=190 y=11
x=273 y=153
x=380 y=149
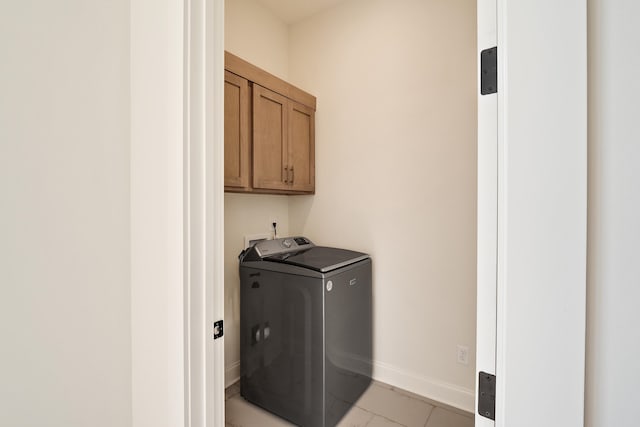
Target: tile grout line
x=433 y=408
x=373 y=415
x=368 y=412
x=385 y=418
x=405 y=397
x=425 y=399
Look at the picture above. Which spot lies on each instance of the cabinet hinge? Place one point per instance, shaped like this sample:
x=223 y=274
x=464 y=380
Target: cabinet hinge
x=218 y=329
x=489 y=71
x=487 y=395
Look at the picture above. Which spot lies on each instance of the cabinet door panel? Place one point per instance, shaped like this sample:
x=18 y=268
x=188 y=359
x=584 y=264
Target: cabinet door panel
x=236 y=131
x=302 y=147
x=270 y=155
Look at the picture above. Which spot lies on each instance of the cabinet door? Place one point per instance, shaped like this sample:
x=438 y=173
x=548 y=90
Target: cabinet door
x=237 y=128
x=270 y=133
x=301 y=147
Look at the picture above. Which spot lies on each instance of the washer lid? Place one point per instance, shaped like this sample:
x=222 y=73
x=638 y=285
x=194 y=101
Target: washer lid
x=319 y=258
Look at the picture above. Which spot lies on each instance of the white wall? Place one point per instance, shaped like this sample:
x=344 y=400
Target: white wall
x=245 y=214
x=256 y=35
x=157 y=293
x=65 y=357
x=613 y=336
x=396 y=174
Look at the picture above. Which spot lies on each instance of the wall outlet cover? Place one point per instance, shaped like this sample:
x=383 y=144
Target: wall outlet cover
x=463 y=354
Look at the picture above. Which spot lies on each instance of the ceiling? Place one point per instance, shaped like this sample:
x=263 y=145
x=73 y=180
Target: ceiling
x=291 y=11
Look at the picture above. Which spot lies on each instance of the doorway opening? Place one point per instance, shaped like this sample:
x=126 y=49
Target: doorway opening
x=396 y=129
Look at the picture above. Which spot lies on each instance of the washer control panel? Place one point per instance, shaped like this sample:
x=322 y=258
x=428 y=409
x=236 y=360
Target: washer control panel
x=266 y=248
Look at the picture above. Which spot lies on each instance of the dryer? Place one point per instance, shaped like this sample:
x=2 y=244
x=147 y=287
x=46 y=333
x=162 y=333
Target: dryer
x=305 y=329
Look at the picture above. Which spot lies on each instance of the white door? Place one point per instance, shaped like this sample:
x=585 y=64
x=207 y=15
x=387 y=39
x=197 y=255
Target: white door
x=532 y=182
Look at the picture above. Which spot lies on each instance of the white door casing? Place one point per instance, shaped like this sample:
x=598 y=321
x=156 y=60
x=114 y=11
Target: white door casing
x=215 y=177
x=204 y=211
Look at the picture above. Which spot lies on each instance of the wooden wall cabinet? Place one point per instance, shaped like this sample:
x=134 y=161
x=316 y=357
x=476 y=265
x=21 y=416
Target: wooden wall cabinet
x=237 y=132
x=301 y=145
x=283 y=143
x=269 y=132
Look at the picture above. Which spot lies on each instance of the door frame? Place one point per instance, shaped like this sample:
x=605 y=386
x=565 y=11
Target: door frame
x=204 y=211
x=516 y=28
x=487 y=209
x=177 y=215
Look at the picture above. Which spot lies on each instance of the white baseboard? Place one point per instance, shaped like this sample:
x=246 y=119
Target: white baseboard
x=440 y=391
x=231 y=373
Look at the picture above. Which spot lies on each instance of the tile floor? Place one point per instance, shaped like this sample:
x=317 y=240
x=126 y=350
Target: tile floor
x=380 y=406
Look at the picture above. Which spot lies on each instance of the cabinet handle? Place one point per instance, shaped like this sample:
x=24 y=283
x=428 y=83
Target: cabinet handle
x=286 y=175
x=292 y=175
x=289 y=179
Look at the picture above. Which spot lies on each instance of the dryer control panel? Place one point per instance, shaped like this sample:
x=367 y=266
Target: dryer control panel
x=267 y=248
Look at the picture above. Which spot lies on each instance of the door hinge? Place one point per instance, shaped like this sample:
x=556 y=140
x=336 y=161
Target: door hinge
x=218 y=329
x=487 y=395
x=489 y=71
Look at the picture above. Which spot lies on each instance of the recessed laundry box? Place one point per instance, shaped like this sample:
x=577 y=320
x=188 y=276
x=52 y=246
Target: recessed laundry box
x=306 y=329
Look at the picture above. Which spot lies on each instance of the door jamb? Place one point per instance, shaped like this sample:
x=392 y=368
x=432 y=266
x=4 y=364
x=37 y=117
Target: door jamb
x=204 y=211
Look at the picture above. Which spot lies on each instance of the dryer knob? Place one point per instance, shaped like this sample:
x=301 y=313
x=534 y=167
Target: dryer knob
x=287 y=243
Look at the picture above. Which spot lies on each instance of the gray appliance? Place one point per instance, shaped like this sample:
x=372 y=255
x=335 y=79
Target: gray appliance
x=305 y=329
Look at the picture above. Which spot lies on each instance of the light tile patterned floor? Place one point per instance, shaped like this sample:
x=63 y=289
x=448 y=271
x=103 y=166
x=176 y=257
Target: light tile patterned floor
x=380 y=406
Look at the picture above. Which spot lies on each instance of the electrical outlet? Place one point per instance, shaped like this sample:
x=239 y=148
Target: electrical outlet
x=463 y=354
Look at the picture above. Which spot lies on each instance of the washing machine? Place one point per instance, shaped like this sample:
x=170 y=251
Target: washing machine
x=305 y=329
